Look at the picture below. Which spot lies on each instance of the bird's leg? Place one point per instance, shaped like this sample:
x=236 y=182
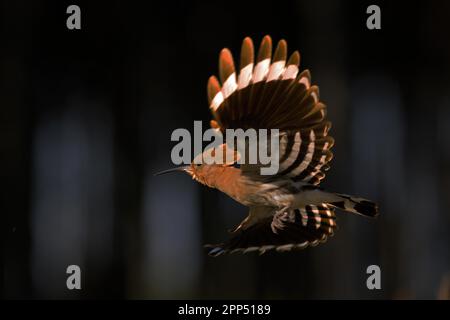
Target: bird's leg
x=255 y=214
x=281 y=210
x=241 y=225
x=278 y=216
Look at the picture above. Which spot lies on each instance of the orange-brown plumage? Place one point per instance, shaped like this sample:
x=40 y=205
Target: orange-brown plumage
x=287 y=210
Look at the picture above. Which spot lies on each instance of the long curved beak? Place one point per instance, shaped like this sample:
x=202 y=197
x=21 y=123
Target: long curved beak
x=182 y=168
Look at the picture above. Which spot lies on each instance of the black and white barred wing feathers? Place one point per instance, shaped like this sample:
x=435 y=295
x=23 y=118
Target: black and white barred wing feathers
x=271 y=93
x=293 y=229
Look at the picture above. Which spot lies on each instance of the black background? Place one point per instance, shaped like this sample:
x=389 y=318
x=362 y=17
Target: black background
x=86 y=118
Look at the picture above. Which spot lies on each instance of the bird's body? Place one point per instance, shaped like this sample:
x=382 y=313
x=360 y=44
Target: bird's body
x=277 y=193
x=287 y=210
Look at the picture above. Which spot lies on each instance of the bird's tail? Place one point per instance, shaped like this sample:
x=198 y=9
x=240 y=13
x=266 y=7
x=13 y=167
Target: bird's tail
x=356 y=205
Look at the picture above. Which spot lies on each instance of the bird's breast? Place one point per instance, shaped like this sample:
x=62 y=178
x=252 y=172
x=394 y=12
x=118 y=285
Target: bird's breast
x=259 y=193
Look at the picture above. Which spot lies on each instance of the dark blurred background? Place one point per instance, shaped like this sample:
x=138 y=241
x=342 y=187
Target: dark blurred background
x=86 y=119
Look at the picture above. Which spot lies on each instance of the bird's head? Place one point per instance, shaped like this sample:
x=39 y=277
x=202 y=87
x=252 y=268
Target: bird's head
x=206 y=167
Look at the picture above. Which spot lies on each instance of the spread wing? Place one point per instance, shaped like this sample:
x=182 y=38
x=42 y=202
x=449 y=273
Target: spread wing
x=284 y=231
x=271 y=93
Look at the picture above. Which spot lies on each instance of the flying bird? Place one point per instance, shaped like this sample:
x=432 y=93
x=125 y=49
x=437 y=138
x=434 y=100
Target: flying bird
x=287 y=210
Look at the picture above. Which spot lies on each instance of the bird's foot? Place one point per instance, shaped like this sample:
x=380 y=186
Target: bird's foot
x=282 y=210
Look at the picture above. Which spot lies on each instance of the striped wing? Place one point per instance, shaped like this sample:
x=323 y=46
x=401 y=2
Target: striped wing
x=286 y=231
x=270 y=93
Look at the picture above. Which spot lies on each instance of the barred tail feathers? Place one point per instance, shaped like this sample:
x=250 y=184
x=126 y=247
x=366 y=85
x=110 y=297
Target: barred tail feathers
x=356 y=205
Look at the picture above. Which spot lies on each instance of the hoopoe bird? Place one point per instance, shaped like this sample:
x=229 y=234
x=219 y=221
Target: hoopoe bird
x=287 y=210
